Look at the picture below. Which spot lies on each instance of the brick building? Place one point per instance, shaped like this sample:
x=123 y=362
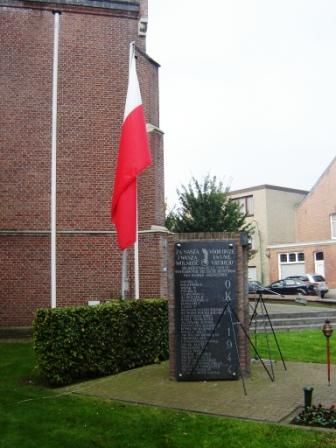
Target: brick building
x=295 y=230
x=94 y=38
x=313 y=248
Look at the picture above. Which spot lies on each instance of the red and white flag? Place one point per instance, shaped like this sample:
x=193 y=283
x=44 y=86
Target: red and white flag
x=133 y=157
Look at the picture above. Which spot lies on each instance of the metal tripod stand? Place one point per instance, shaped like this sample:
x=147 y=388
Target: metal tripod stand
x=260 y=304
x=234 y=321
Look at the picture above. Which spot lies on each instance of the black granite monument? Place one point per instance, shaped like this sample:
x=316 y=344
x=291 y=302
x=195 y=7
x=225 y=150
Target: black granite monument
x=206 y=330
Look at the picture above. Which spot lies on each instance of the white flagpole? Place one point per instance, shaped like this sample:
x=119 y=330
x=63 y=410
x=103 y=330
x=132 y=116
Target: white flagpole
x=124 y=275
x=136 y=244
x=53 y=163
x=131 y=56
x=136 y=253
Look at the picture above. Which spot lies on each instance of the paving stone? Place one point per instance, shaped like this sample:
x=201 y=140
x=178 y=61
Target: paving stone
x=265 y=400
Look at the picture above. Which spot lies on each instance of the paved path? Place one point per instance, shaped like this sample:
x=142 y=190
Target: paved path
x=265 y=400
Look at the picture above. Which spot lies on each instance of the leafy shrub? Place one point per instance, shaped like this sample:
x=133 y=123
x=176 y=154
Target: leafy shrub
x=85 y=342
x=317 y=416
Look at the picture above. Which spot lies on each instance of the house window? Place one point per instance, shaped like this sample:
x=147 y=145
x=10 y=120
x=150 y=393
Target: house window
x=300 y=256
x=319 y=256
x=333 y=226
x=246 y=205
x=292 y=257
x=283 y=258
x=249 y=205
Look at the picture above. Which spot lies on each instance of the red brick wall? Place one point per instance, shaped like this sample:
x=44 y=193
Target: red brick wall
x=143 y=8
x=24 y=275
x=88 y=268
x=92 y=93
x=313 y=214
x=25 y=91
x=313 y=225
x=93 y=69
x=329 y=252
x=153 y=255
x=151 y=191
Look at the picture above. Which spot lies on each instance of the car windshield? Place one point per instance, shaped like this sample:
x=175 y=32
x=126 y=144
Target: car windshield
x=303 y=278
x=318 y=278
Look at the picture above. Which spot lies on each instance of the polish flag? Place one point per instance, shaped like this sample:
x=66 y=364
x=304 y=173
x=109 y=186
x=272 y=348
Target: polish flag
x=133 y=158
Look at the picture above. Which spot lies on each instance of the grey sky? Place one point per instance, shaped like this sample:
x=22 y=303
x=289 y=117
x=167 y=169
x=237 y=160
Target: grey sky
x=247 y=89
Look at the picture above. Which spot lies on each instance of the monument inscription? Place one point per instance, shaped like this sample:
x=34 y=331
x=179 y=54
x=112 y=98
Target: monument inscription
x=205 y=294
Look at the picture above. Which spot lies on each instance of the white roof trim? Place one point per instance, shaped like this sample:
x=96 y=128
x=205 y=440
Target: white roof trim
x=302 y=244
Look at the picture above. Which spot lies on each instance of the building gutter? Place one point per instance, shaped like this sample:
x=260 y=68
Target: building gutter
x=302 y=244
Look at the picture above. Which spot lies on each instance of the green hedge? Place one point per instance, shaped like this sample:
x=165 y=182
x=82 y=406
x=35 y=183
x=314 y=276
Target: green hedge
x=85 y=342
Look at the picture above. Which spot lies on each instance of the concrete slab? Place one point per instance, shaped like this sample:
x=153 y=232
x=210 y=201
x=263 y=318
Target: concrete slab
x=265 y=400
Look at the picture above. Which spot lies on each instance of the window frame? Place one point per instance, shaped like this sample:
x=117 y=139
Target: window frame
x=243 y=201
x=333 y=226
x=299 y=257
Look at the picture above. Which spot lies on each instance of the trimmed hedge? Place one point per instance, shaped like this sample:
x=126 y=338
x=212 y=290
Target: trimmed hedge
x=85 y=342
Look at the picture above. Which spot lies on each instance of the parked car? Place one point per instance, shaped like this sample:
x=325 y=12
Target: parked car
x=255 y=287
x=316 y=280
x=292 y=286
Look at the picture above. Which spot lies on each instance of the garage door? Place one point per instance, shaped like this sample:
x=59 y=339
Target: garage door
x=291 y=269
x=252 y=273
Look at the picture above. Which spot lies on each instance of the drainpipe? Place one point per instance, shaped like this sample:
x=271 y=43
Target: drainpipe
x=53 y=161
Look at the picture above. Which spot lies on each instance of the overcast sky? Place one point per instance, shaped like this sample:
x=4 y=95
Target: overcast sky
x=247 y=89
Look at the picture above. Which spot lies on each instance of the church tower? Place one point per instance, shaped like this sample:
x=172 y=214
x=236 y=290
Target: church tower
x=91 y=58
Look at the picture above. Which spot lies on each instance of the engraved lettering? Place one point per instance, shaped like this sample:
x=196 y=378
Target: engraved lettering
x=204 y=285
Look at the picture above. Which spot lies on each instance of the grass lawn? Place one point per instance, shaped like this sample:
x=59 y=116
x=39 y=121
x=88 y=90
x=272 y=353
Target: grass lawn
x=34 y=416
x=304 y=346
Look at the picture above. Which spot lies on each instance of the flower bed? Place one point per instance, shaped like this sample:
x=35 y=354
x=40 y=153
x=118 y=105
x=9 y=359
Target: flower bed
x=317 y=416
